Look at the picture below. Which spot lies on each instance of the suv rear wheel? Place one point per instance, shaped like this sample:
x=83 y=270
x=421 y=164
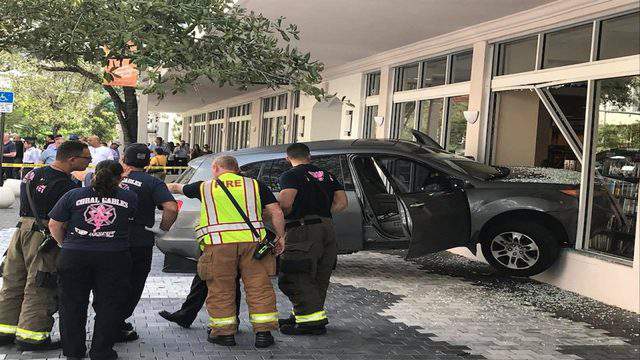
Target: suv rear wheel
x=520 y=248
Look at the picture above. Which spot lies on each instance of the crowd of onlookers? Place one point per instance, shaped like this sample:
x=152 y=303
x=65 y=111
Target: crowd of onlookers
x=17 y=150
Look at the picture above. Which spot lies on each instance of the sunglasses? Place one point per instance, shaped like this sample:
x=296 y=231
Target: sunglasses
x=84 y=157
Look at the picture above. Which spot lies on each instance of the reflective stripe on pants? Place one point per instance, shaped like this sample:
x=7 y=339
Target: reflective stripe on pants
x=316 y=316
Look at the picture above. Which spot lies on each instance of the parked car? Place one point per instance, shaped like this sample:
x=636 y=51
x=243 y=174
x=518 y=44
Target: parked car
x=419 y=197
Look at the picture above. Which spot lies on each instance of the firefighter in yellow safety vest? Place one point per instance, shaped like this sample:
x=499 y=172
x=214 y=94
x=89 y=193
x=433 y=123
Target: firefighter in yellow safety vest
x=228 y=245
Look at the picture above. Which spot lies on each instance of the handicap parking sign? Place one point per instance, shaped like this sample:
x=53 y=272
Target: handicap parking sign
x=6 y=101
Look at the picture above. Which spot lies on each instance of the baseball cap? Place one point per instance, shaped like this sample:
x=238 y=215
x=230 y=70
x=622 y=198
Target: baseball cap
x=137 y=155
x=74 y=137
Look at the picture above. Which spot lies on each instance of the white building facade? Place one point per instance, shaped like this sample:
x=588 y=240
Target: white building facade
x=555 y=86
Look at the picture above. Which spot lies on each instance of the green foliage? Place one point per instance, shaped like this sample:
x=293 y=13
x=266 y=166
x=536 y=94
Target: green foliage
x=47 y=103
x=176 y=44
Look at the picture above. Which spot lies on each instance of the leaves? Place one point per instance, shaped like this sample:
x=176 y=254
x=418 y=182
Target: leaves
x=176 y=43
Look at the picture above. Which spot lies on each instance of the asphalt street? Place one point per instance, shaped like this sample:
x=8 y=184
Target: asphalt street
x=382 y=307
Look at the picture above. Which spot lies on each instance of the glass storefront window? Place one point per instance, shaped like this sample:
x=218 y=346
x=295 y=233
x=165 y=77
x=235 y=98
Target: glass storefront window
x=567 y=46
x=525 y=133
x=517 y=56
x=434 y=72
x=373 y=84
x=369 y=128
x=620 y=37
x=457 y=124
x=406 y=119
x=407 y=78
x=461 y=67
x=615 y=195
x=431 y=118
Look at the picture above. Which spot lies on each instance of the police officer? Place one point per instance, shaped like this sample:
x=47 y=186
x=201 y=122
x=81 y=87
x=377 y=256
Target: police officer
x=28 y=296
x=152 y=192
x=92 y=225
x=228 y=247
x=308 y=197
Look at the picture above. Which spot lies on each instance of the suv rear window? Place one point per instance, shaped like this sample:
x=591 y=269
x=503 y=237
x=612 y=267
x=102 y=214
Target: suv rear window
x=186 y=176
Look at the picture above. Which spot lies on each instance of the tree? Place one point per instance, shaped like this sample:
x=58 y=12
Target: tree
x=47 y=103
x=174 y=44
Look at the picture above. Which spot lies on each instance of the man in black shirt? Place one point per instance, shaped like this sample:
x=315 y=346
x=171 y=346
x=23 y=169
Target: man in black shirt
x=28 y=295
x=308 y=197
x=152 y=192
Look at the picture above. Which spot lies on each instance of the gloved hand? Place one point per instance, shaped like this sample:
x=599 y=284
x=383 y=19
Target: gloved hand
x=156 y=230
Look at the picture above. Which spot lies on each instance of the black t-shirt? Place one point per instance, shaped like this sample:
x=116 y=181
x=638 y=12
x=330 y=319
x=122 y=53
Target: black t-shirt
x=47 y=187
x=315 y=190
x=95 y=223
x=8 y=148
x=192 y=191
x=151 y=192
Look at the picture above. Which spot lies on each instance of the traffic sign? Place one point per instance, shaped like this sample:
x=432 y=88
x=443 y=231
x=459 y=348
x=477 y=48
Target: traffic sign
x=6 y=101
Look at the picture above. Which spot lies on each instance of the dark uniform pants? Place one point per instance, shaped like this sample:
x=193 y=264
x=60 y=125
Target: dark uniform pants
x=196 y=298
x=141 y=258
x=305 y=268
x=219 y=266
x=26 y=304
x=106 y=274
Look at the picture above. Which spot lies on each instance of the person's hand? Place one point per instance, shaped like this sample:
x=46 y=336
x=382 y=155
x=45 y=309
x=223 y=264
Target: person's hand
x=279 y=249
x=156 y=230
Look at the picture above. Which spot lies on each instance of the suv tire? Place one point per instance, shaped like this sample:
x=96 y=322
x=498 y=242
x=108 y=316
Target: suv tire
x=520 y=248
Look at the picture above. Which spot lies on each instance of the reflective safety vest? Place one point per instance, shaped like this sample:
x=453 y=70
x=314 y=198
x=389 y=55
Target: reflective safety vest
x=220 y=222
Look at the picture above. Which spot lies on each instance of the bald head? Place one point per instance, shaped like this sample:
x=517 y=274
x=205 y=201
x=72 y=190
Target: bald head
x=93 y=140
x=224 y=164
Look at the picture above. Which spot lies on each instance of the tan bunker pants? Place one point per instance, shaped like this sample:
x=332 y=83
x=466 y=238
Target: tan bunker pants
x=219 y=266
x=26 y=304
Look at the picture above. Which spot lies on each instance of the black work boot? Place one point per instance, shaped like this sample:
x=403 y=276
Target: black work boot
x=264 y=339
x=298 y=329
x=7 y=340
x=224 y=340
x=291 y=320
x=40 y=346
x=172 y=317
x=127 y=333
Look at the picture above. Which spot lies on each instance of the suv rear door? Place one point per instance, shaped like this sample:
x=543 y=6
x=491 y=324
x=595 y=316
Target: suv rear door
x=435 y=205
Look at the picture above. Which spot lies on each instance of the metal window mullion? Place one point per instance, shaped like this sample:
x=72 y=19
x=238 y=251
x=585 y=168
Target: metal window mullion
x=560 y=120
x=448 y=69
x=416 y=114
x=595 y=40
x=419 y=81
x=539 y=52
x=588 y=171
x=444 y=125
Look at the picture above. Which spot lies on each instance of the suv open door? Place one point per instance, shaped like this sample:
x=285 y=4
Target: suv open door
x=434 y=205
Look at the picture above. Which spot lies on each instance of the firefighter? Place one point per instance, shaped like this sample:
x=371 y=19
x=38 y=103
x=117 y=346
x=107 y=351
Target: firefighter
x=28 y=297
x=308 y=197
x=152 y=192
x=229 y=243
x=92 y=225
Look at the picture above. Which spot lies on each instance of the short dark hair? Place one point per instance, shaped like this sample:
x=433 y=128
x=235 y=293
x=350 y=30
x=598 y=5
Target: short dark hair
x=69 y=149
x=56 y=136
x=298 y=151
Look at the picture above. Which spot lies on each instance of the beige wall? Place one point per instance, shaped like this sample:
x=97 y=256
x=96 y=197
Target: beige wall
x=516 y=128
x=350 y=87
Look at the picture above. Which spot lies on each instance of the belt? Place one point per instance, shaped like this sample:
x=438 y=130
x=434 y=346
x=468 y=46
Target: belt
x=302 y=222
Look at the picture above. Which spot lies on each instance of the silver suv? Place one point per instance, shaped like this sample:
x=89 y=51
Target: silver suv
x=421 y=198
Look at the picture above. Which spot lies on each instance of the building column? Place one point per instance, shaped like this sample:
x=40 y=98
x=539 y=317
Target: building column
x=254 y=126
x=385 y=102
x=478 y=100
x=143 y=118
x=207 y=125
x=185 y=129
x=225 y=130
